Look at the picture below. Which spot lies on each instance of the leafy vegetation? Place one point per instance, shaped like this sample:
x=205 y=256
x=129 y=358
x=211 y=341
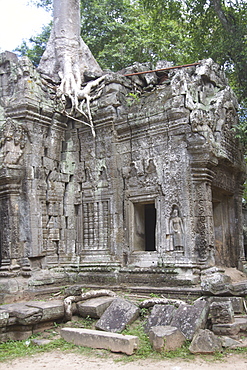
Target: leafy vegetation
x=121 y=32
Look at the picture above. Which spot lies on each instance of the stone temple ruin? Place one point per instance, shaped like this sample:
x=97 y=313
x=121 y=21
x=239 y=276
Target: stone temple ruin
x=154 y=198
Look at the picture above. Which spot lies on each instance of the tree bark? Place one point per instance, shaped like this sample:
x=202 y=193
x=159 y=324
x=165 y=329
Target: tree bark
x=67 y=57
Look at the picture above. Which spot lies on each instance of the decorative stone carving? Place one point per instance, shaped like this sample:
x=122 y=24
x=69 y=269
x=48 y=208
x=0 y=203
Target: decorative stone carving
x=176 y=230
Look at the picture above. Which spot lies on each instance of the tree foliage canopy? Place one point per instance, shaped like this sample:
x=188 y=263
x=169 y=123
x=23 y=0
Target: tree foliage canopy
x=120 y=32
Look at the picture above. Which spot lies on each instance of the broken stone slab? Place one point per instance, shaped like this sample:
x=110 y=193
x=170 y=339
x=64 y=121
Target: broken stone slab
x=228 y=342
x=117 y=316
x=41 y=342
x=166 y=338
x=242 y=322
x=205 y=342
x=216 y=284
x=222 y=312
x=23 y=314
x=51 y=310
x=161 y=315
x=237 y=302
x=239 y=289
x=94 y=307
x=190 y=318
x=98 y=339
x=231 y=330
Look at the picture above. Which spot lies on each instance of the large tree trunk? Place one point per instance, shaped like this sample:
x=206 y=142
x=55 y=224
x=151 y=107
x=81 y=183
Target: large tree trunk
x=67 y=57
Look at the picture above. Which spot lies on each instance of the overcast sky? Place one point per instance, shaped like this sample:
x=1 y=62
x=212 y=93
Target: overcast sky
x=19 y=21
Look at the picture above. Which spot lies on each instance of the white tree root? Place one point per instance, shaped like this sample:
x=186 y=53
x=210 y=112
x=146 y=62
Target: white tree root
x=69 y=88
x=152 y=301
x=68 y=302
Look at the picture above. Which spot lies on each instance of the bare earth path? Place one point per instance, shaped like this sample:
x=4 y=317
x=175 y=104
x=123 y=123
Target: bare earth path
x=68 y=361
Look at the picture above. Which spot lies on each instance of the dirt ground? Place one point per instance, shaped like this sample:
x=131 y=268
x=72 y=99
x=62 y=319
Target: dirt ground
x=68 y=361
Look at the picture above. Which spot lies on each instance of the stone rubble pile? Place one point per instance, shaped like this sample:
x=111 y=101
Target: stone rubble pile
x=210 y=323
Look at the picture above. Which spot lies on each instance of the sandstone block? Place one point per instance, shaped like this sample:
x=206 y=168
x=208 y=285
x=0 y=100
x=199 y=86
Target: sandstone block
x=98 y=339
x=51 y=310
x=216 y=284
x=237 y=302
x=166 y=338
x=226 y=329
x=161 y=315
x=228 y=342
x=242 y=322
x=24 y=315
x=190 y=318
x=117 y=316
x=94 y=307
x=205 y=342
x=222 y=312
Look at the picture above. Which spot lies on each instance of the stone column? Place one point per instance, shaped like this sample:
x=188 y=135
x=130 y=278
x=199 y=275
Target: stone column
x=10 y=246
x=202 y=163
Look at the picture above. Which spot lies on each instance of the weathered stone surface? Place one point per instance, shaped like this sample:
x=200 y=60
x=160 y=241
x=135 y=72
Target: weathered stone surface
x=51 y=310
x=161 y=315
x=166 y=338
x=117 y=316
x=237 y=302
x=4 y=317
x=85 y=199
x=41 y=342
x=232 y=329
x=24 y=315
x=94 y=307
x=239 y=289
x=98 y=339
x=216 y=284
x=205 y=342
x=228 y=342
x=190 y=318
x=242 y=322
x=222 y=312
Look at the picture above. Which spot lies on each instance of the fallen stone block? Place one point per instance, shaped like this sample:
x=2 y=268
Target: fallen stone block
x=166 y=338
x=237 y=302
x=51 y=310
x=222 y=312
x=98 y=339
x=117 y=316
x=205 y=342
x=226 y=329
x=18 y=332
x=190 y=318
x=242 y=322
x=94 y=307
x=161 y=315
x=216 y=284
x=23 y=314
x=239 y=289
x=228 y=342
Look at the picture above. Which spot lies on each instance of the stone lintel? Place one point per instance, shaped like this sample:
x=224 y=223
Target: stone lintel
x=98 y=339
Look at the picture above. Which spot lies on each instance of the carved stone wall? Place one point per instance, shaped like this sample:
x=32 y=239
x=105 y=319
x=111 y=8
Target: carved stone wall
x=159 y=186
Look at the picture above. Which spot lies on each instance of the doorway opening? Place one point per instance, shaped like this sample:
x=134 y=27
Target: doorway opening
x=144 y=227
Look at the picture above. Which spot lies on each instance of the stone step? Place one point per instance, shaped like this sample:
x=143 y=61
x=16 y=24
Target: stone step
x=99 y=339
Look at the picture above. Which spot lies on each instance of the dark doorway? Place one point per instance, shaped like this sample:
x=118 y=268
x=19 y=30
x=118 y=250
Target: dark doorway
x=145 y=225
x=150 y=225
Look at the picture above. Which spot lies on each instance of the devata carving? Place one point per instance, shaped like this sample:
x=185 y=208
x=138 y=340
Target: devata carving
x=176 y=230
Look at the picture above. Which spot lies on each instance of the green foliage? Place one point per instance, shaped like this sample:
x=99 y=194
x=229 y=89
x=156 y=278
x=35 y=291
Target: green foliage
x=121 y=32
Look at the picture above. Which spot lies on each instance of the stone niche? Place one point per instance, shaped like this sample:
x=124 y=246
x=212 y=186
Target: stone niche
x=154 y=197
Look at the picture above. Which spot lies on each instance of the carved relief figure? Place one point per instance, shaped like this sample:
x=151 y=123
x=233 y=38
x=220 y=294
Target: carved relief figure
x=176 y=230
